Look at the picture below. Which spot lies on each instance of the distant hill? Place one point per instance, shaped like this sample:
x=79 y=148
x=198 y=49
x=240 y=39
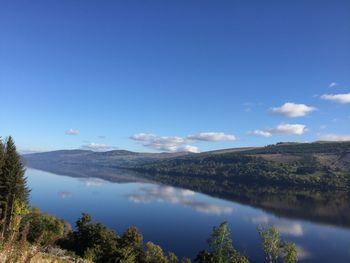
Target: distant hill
x=318 y=164
x=111 y=159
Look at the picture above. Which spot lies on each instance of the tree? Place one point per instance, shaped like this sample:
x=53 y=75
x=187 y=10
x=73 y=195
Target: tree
x=130 y=246
x=270 y=239
x=42 y=228
x=14 y=191
x=90 y=240
x=204 y=257
x=222 y=250
x=290 y=253
x=172 y=258
x=154 y=254
x=274 y=248
x=2 y=187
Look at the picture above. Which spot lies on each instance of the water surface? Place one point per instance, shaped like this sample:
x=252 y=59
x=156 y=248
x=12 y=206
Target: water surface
x=180 y=220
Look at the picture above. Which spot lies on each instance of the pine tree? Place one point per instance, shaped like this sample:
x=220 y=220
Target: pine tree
x=2 y=188
x=14 y=190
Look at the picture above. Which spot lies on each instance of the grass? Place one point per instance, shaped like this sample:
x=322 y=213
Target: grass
x=15 y=250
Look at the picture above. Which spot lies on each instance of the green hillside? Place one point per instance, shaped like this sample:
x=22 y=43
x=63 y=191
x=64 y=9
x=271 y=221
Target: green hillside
x=318 y=165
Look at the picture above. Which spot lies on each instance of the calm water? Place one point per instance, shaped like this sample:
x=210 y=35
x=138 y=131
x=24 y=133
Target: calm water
x=179 y=220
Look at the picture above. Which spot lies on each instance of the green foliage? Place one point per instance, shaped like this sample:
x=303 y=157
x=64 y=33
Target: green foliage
x=290 y=254
x=14 y=192
x=154 y=253
x=43 y=228
x=222 y=250
x=91 y=240
x=131 y=237
x=270 y=239
x=303 y=148
x=130 y=246
x=274 y=248
x=20 y=210
x=95 y=242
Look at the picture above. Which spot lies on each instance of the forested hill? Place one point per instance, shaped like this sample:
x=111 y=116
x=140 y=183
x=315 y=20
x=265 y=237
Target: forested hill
x=318 y=164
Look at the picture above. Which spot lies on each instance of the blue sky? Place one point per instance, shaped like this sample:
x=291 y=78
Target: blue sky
x=173 y=75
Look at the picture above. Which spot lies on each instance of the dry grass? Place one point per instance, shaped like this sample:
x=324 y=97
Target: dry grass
x=279 y=158
x=13 y=250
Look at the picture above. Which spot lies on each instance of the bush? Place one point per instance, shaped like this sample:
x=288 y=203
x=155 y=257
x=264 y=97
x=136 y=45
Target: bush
x=42 y=228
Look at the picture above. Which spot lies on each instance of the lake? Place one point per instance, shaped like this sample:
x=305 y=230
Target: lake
x=180 y=220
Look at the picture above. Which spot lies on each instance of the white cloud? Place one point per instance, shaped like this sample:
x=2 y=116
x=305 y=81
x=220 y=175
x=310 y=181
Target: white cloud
x=296 y=129
x=170 y=144
x=176 y=143
x=190 y=148
x=97 y=147
x=212 y=136
x=142 y=136
x=293 y=110
x=333 y=84
x=338 y=98
x=260 y=133
x=288 y=129
x=334 y=137
x=72 y=132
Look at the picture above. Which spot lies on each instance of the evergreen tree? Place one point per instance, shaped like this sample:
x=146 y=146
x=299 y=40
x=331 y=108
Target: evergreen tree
x=14 y=191
x=2 y=186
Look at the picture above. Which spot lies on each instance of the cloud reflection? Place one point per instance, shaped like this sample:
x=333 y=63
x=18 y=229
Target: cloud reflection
x=92 y=182
x=293 y=229
x=284 y=227
x=159 y=193
x=303 y=253
x=65 y=194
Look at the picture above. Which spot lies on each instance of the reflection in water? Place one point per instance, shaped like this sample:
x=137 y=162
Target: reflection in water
x=303 y=253
x=161 y=209
x=316 y=205
x=64 y=194
x=284 y=226
x=92 y=182
x=260 y=220
x=293 y=229
x=160 y=193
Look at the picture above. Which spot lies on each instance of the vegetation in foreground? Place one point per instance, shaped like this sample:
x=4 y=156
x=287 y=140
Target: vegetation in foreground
x=27 y=235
